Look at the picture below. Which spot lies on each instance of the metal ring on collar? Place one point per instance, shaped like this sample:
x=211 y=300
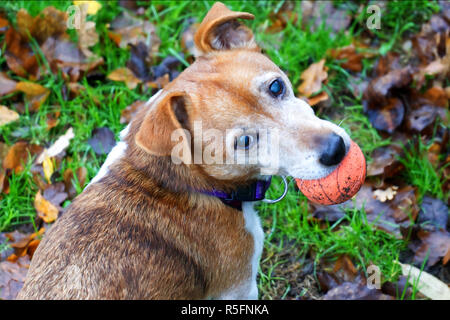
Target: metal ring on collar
x=282 y=196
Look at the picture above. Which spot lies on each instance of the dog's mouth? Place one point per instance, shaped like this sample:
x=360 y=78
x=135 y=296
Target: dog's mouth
x=341 y=184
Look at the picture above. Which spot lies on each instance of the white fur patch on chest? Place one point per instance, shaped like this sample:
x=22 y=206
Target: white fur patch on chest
x=248 y=289
x=253 y=226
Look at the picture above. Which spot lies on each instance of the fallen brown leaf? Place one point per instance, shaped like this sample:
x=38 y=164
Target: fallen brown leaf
x=23 y=244
x=64 y=56
x=45 y=209
x=124 y=75
x=352 y=58
x=313 y=77
x=12 y=277
x=385 y=161
x=49 y=23
x=312 y=101
x=18 y=155
x=56 y=194
x=68 y=176
x=34 y=93
x=19 y=57
x=387 y=116
x=127 y=29
x=7 y=115
x=6 y=85
x=435 y=244
x=160 y=82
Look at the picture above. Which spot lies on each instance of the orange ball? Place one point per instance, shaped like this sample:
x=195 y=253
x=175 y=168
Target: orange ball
x=341 y=184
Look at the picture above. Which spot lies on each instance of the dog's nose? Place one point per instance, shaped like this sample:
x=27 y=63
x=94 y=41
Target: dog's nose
x=334 y=150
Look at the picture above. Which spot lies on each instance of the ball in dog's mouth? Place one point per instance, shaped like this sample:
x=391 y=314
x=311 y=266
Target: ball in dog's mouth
x=341 y=184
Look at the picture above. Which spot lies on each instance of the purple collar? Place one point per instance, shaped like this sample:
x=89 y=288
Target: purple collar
x=253 y=192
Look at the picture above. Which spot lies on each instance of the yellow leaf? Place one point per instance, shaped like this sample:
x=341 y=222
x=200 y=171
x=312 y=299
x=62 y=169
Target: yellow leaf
x=125 y=75
x=34 y=93
x=45 y=209
x=7 y=115
x=30 y=88
x=47 y=165
x=92 y=6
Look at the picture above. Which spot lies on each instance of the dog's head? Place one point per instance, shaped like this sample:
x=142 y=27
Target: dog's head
x=233 y=112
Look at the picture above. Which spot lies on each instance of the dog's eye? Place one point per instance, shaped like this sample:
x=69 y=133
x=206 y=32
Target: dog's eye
x=276 y=88
x=244 y=142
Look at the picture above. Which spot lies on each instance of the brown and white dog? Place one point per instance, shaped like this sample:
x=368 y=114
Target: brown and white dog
x=149 y=228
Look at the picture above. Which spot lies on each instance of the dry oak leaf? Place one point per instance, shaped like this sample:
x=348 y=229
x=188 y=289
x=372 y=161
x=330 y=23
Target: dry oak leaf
x=438 y=68
x=19 y=57
x=18 y=154
x=124 y=75
x=352 y=58
x=7 y=115
x=127 y=29
x=23 y=244
x=34 y=93
x=313 y=77
x=45 y=209
x=64 y=56
x=49 y=23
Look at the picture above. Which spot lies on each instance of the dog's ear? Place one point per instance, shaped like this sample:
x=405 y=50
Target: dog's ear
x=220 y=30
x=170 y=114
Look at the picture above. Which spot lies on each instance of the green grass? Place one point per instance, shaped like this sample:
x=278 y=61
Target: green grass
x=421 y=173
x=293 y=49
x=17 y=207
